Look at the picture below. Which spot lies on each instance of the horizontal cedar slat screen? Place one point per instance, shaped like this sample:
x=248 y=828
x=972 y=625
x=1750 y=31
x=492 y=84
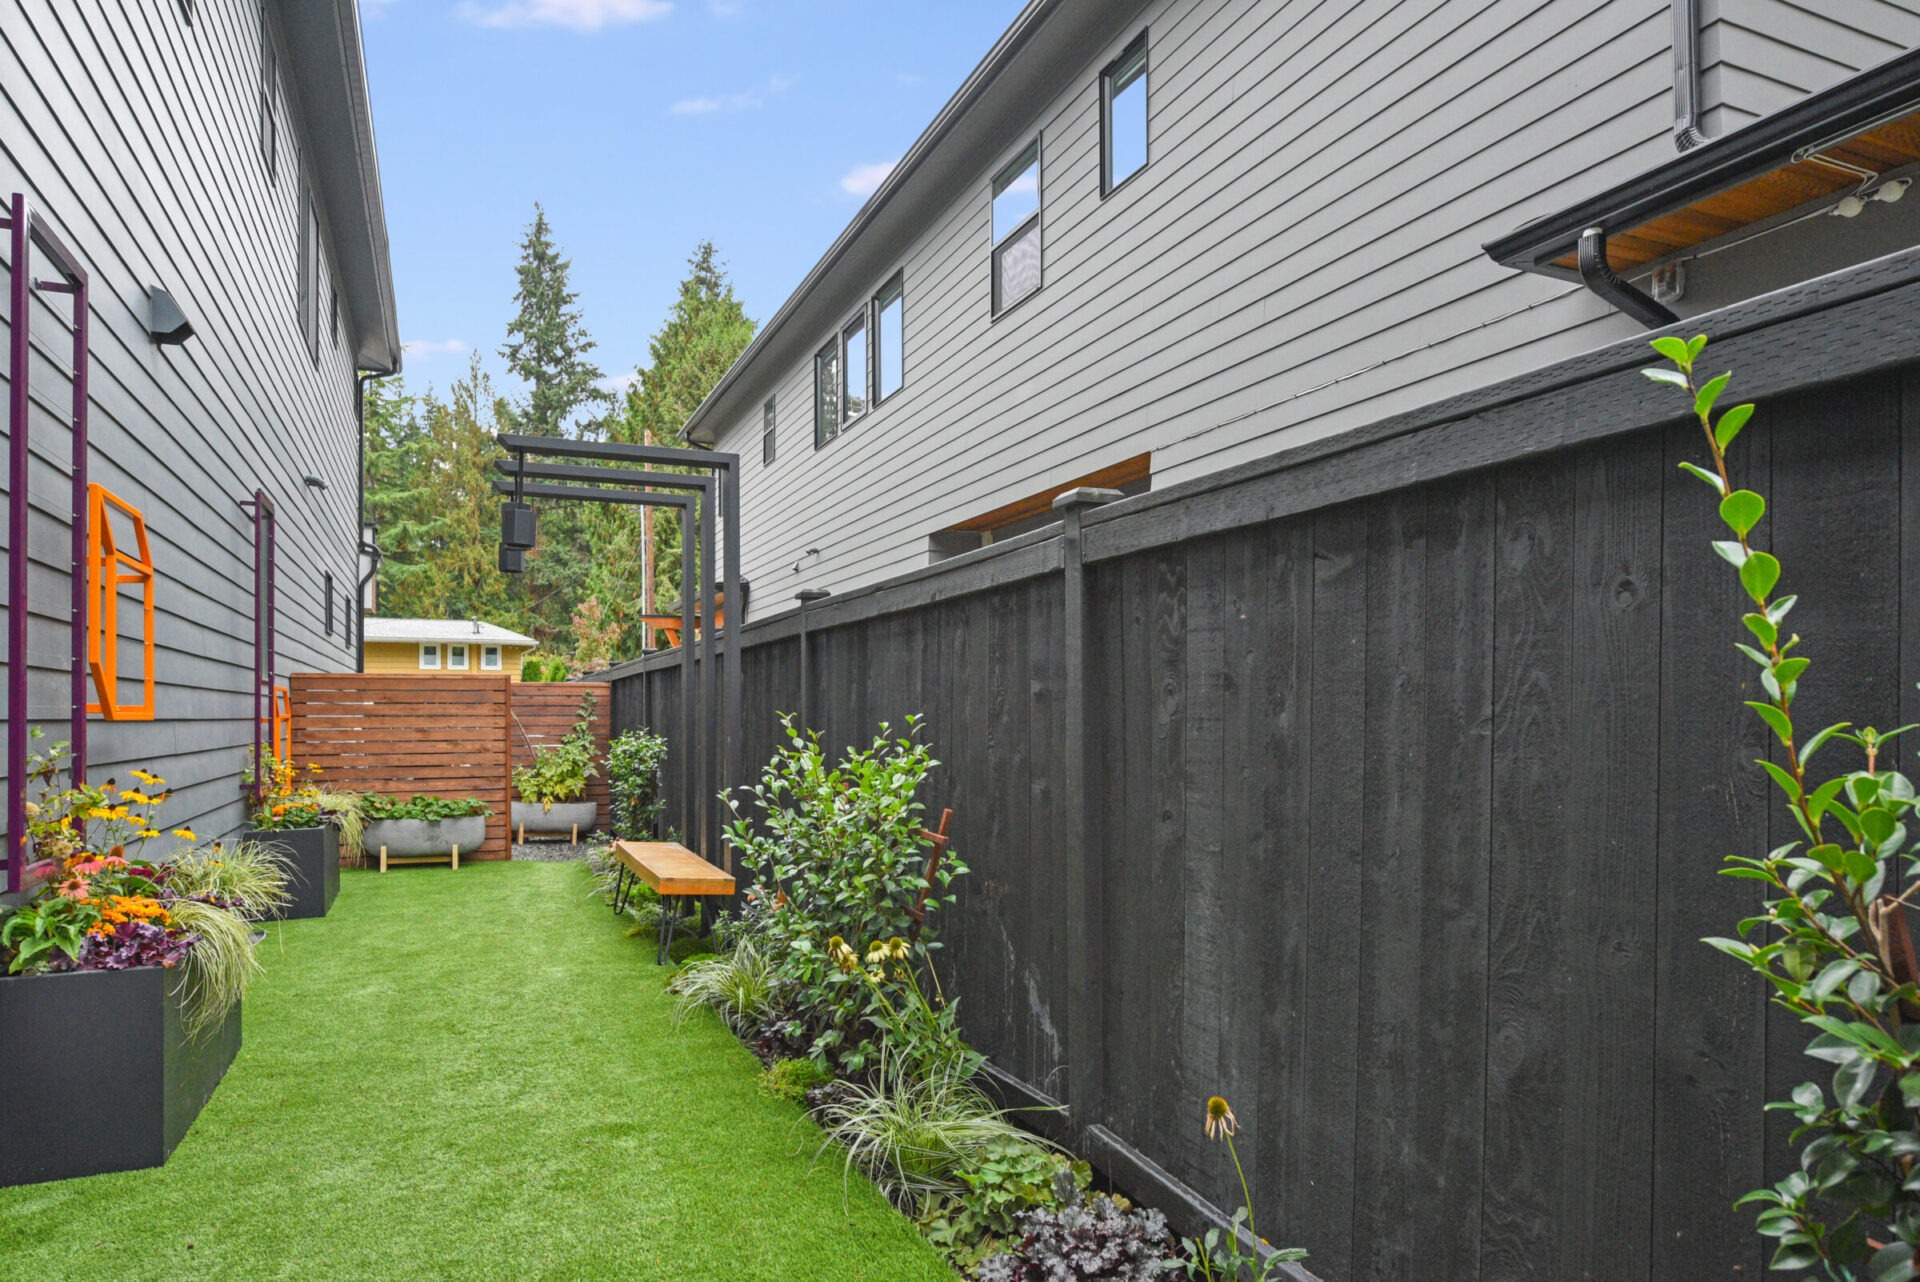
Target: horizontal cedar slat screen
x=444 y=736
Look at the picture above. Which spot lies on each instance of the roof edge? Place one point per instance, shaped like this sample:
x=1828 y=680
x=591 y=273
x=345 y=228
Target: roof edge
x=1012 y=41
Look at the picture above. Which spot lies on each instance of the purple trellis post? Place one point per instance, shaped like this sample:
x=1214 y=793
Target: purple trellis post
x=17 y=544
x=263 y=584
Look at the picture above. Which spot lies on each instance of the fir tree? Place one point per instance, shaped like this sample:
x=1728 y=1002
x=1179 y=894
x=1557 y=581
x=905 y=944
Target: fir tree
x=547 y=339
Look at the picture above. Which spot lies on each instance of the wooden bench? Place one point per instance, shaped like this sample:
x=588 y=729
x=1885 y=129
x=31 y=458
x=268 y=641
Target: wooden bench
x=673 y=871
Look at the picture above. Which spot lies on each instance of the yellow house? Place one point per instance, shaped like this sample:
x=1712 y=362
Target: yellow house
x=457 y=646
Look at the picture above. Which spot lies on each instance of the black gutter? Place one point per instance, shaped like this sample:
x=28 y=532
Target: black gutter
x=357 y=617
x=1824 y=119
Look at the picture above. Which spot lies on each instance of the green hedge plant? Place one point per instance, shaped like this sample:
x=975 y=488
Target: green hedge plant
x=432 y=809
x=634 y=760
x=1831 y=936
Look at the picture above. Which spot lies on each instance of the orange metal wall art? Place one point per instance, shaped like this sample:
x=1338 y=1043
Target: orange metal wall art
x=281 y=736
x=111 y=566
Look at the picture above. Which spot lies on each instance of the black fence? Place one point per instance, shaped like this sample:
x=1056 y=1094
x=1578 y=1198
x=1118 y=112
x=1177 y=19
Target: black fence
x=1409 y=762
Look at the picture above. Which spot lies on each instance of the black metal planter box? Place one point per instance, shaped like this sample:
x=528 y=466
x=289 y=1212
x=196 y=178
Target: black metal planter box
x=314 y=854
x=96 y=1073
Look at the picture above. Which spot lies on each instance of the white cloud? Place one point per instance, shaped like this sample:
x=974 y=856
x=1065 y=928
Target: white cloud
x=576 y=15
x=619 y=382
x=864 y=180
x=726 y=104
x=434 y=347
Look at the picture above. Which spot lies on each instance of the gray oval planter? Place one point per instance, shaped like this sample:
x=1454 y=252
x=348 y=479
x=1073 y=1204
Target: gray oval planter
x=568 y=817
x=100 y=1074
x=415 y=840
x=313 y=865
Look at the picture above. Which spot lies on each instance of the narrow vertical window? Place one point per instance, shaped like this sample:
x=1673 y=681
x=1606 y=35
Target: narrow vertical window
x=853 y=364
x=269 y=92
x=457 y=658
x=333 y=314
x=490 y=658
x=346 y=617
x=303 y=281
x=1016 y=228
x=766 y=434
x=326 y=594
x=889 y=357
x=1123 y=116
x=826 y=393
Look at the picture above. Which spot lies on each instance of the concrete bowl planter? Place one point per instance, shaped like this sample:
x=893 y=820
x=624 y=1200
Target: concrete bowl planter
x=313 y=862
x=100 y=1075
x=574 y=818
x=422 y=840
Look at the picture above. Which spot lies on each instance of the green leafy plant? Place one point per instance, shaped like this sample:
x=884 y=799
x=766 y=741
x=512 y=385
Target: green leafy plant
x=634 y=760
x=840 y=851
x=1014 y=1176
x=560 y=771
x=791 y=1079
x=40 y=930
x=914 y=1136
x=918 y=1031
x=432 y=809
x=1832 y=937
x=543 y=667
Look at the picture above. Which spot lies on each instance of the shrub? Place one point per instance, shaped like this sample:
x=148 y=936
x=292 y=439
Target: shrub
x=1014 y=1176
x=840 y=852
x=560 y=771
x=1833 y=932
x=791 y=1079
x=915 y=1137
x=633 y=777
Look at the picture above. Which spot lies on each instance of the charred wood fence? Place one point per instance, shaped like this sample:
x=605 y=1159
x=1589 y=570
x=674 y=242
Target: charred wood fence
x=1381 y=787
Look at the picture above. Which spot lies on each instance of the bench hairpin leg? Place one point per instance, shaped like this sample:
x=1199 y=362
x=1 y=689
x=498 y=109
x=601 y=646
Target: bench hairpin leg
x=669 y=912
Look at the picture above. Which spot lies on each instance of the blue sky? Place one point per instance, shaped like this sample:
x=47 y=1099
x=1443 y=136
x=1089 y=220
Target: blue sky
x=642 y=126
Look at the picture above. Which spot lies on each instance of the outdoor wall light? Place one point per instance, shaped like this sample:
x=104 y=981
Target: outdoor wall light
x=517 y=527
x=314 y=483
x=166 y=323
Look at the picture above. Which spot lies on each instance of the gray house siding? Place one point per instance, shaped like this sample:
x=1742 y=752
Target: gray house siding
x=1759 y=55
x=135 y=133
x=1302 y=255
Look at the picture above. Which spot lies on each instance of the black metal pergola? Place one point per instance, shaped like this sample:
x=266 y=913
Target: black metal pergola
x=621 y=474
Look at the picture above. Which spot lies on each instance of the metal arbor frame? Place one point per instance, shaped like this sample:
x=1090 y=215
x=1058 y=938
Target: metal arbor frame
x=28 y=229
x=711 y=471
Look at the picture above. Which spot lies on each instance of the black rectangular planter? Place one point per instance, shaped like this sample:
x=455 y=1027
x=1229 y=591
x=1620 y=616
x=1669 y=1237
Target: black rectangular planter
x=314 y=855
x=96 y=1073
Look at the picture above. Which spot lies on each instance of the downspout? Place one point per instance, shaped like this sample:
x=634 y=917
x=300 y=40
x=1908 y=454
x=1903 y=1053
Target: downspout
x=356 y=617
x=1597 y=272
x=1686 y=75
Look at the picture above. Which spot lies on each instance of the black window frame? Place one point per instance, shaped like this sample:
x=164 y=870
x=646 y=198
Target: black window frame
x=769 y=448
x=1137 y=47
x=1034 y=155
x=895 y=288
x=823 y=432
x=863 y=320
x=326 y=594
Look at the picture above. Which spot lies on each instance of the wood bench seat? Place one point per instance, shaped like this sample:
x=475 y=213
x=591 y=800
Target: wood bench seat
x=674 y=872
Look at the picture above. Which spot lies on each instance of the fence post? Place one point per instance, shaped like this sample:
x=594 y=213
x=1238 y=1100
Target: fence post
x=1081 y=874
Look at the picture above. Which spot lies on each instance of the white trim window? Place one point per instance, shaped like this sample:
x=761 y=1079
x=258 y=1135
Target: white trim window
x=1016 y=229
x=456 y=658
x=429 y=656
x=489 y=658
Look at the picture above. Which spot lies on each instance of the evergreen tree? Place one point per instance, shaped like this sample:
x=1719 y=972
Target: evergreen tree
x=704 y=334
x=547 y=339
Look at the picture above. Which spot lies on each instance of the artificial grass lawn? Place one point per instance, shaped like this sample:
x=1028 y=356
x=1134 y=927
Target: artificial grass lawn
x=473 y=1075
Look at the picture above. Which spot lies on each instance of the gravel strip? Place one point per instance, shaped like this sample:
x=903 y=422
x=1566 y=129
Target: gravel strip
x=551 y=852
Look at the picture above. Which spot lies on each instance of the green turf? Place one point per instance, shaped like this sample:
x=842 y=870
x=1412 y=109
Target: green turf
x=473 y=1075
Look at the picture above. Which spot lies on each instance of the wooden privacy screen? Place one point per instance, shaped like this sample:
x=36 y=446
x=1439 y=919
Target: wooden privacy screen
x=400 y=734
x=544 y=711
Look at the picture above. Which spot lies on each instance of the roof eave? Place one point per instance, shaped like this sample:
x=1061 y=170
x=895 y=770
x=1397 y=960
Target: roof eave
x=1826 y=117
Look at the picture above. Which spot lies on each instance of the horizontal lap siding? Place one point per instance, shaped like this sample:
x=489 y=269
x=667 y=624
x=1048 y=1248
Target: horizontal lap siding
x=1406 y=814
x=1757 y=56
x=400 y=736
x=1296 y=225
x=134 y=134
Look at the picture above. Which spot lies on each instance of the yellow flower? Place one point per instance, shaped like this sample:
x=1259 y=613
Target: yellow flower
x=131 y=795
x=146 y=778
x=897 y=949
x=185 y=834
x=1220 y=1119
x=99 y=812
